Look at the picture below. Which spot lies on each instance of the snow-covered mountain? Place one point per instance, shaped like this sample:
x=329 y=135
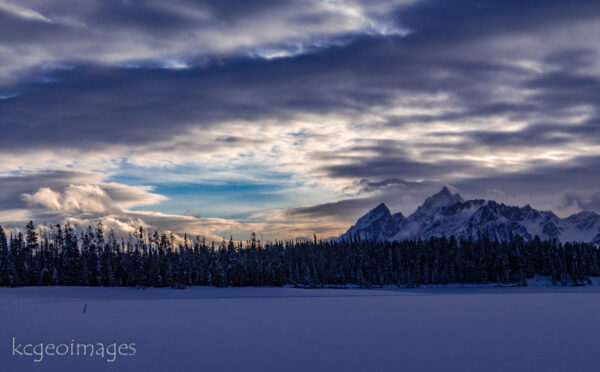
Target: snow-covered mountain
x=445 y=214
x=378 y=223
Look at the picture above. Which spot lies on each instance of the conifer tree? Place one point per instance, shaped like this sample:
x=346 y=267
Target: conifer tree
x=4 y=259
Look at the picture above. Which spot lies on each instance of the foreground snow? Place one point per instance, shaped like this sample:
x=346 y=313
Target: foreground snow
x=286 y=329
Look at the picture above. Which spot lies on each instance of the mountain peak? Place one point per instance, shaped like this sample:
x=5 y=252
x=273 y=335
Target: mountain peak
x=445 y=191
x=446 y=214
x=379 y=212
x=380 y=208
x=378 y=224
x=443 y=198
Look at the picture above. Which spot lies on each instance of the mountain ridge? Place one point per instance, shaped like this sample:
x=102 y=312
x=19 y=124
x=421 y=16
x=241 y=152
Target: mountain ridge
x=446 y=214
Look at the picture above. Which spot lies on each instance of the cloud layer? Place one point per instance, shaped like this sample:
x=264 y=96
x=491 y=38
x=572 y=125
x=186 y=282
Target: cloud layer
x=41 y=34
x=288 y=117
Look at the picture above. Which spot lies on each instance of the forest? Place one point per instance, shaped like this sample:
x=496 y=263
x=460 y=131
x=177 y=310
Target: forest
x=66 y=256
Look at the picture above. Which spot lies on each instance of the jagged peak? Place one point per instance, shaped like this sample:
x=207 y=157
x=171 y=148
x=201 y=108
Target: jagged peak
x=381 y=207
x=443 y=198
x=447 y=194
x=445 y=190
x=377 y=224
x=445 y=213
x=379 y=211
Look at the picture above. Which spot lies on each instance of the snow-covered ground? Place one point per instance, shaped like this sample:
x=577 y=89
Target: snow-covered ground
x=287 y=329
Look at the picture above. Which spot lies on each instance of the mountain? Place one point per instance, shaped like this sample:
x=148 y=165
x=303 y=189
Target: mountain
x=377 y=223
x=445 y=214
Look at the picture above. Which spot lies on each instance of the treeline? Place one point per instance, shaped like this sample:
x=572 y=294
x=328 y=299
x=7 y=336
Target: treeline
x=63 y=256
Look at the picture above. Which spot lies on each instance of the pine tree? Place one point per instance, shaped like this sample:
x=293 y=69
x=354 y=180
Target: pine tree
x=70 y=256
x=4 y=260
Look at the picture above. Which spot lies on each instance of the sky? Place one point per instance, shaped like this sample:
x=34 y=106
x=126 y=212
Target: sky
x=292 y=118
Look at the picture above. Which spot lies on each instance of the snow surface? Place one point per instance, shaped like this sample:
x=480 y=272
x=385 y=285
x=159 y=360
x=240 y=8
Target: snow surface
x=287 y=329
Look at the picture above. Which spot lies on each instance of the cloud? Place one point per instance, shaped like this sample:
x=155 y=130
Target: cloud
x=91 y=198
x=155 y=32
x=115 y=205
x=589 y=201
x=366 y=83
x=562 y=186
x=28 y=182
x=340 y=210
x=22 y=12
x=399 y=195
x=308 y=110
x=44 y=197
x=388 y=159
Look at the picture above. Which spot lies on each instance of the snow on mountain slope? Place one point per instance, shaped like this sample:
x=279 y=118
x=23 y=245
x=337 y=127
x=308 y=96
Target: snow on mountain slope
x=378 y=224
x=398 y=218
x=583 y=226
x=445 y=214
x=442 y=221
x=434 y=203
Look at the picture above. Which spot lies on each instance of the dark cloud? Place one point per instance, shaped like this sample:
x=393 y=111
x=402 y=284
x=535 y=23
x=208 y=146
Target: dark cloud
x=376 y=167
x=95 y=75
x=343 y=209
x=572 y=59
x=399 y=195
x=549 y=184
x=152 y=17
x=95 y=106
x=572 y=184
x=27 y=30
x=368 y=186
x=535 y=135
x=386 y=159
x=562 y=90
x=445 y=21
x=137 y=15
x=92 y=106
x=582 y=201
x=582 y=172
x=135 y=32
